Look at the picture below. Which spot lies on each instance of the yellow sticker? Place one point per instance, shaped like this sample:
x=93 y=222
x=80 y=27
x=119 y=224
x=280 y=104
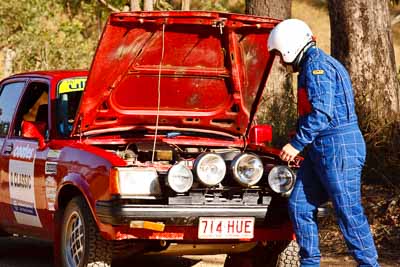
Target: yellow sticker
x=71 y=85
x=318 y=72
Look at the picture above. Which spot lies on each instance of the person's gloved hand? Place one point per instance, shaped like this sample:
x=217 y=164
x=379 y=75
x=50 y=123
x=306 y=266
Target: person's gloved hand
x=288 y=153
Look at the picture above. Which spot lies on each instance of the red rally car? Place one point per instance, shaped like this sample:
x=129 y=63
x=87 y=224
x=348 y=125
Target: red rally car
x=155 y=149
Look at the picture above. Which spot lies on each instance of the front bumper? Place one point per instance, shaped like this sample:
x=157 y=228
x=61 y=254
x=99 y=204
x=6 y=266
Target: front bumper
x=113 y=213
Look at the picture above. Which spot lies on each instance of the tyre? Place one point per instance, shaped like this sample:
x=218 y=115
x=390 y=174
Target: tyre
x=275 y=254
x=81 y=243
x=289 y=256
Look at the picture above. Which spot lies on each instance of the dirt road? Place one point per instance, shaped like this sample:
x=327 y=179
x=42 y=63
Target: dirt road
x=23 y=252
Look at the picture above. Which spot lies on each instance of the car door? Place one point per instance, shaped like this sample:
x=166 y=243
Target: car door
x=23 y=156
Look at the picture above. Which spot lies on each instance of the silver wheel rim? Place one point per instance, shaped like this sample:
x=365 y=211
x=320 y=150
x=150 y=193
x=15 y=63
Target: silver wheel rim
x=75 y=238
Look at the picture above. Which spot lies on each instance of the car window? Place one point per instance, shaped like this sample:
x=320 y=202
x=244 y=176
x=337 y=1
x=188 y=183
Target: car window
x=33 y=109
x=69 y=92
x=9 y=96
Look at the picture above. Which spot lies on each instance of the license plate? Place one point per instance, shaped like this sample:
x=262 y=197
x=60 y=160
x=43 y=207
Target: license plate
x=226 y=228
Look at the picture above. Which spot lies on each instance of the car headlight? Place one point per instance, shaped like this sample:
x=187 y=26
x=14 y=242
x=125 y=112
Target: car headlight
x=210 y=168
x=281 y=179
x=180 y=178
x=247 y=169
x=135 y=181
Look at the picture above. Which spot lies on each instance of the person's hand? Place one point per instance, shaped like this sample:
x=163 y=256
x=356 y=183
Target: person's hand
x=288 y=153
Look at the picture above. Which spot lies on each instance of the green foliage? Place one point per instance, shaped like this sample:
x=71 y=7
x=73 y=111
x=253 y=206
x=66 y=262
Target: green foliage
x=63 y=34
x=45 y=36
x=222 y=5
x=166 y=5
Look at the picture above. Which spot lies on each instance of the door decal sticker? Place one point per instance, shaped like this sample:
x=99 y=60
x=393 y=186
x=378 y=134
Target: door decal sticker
x=21 y=183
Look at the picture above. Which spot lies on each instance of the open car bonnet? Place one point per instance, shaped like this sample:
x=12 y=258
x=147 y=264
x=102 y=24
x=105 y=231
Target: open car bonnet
x=198 y=70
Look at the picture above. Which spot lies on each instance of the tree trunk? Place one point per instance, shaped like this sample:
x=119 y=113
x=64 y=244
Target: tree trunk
x=9 y=56
x=135 y=5
x=280 y=9
x=278 y=109
x=148 y=5
x=185 y=4
x=362 y=41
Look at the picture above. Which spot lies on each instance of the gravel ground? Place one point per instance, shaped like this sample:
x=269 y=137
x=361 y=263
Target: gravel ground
x=24 y=252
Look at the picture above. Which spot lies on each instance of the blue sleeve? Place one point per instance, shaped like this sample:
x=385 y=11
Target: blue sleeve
x=320 y=86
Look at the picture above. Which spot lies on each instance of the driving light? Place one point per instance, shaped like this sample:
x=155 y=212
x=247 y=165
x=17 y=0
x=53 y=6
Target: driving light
x=180 y=178
x=137 y=181
x=281 y=179
x=247 y=169
x=210 y=168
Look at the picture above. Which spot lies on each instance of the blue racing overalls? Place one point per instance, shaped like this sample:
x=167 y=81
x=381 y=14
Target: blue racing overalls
x=333 y=162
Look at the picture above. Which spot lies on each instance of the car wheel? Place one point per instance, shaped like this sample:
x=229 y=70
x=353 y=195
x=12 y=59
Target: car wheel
x=275 y=254
x=81 y=242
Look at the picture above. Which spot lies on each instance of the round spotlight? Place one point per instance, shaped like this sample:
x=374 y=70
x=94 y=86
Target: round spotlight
x=210 y=168
x=180 y=178
x=247 y=169
x=281 y=179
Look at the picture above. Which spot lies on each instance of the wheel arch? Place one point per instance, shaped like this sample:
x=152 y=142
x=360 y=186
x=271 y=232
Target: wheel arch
x=73 y=185
x=66 y=194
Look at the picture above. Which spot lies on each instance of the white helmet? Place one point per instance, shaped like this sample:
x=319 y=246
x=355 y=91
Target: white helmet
x=289 y=37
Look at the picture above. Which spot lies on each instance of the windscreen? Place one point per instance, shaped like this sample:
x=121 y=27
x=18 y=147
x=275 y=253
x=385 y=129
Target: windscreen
x=69 y=92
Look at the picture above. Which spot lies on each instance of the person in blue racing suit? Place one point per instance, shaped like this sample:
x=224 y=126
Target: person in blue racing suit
x=336 y=149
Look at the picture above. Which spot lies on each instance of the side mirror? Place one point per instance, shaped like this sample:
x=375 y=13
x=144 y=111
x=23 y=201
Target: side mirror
x=34 y=130
x=260 y=134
